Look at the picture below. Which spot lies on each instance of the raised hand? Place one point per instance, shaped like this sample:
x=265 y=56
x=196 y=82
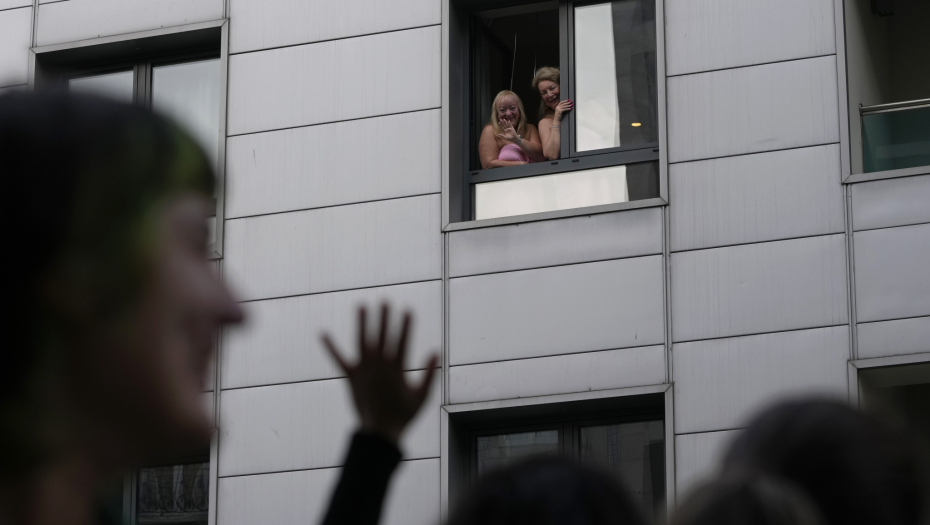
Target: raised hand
x=507 y=131
x=385 y=402
x=564 y=106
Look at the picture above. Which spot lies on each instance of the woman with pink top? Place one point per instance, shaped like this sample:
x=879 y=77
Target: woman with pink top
x=508 y=140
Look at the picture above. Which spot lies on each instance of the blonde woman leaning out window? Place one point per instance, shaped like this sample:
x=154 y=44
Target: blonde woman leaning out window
x=508 y=140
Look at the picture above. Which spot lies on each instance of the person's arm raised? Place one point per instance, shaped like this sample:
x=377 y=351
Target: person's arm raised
x=386 y=404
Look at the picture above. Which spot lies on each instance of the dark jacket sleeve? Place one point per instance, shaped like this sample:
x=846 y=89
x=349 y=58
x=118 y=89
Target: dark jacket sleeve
x=360 y=493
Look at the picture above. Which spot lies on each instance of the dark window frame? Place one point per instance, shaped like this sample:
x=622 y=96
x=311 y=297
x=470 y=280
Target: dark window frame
x=52 y=65
x=570 y=160
x=568 y=426
x=141 y=69
x=461 y=421
x=131 y=480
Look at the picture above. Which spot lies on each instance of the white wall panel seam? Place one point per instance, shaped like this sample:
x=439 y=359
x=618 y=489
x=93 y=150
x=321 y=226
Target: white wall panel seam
x=348 y=203
x=922 y=223
x=850 y=273
x=337 y=290
x=677 y=75
x=529 y=268
x=553 y=355
x=751 y=243
x=752 y=334
x=273 y=472
x=303 y=381
x=323 y=41
x=328 y=122
x=708 y=431
x=817 y=145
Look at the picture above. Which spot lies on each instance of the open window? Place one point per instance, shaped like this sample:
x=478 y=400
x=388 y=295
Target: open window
x=608 y=147
x=901 y=392
x=888 y=78
x=177 y=72
x=623 y=436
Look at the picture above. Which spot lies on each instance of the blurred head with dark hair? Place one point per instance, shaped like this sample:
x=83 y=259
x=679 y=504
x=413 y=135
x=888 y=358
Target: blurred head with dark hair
x=855 y=467
x=745 y=498
x=546 y=490
x=111 y=305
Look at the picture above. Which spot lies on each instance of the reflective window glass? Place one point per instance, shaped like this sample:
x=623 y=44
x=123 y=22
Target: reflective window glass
x=503 y=449
x=615 y=75
x=896 y=139
x=634 y=453
x=563 y=191
x=118 y=86
x=189 y=93
x=176 y=494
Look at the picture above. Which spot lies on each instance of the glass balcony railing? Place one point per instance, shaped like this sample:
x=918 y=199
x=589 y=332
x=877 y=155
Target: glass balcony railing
x=896 y=136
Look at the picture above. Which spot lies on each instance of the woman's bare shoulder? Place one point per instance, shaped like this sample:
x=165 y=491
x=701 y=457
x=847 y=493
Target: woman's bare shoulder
x=545 y=122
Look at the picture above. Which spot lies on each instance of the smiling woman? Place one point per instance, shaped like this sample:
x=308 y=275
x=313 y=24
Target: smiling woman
x=111 y=316
x=502 y=140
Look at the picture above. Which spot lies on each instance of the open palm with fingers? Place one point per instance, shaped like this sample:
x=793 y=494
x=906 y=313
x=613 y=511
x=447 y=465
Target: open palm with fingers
x=385 y=400
x=507 y=130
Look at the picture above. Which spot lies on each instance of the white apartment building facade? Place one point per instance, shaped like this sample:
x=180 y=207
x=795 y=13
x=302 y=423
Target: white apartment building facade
x=761 y=231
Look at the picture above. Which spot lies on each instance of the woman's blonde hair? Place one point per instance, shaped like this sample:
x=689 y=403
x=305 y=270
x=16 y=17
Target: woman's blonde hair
x=495 y=106
x=552 y=75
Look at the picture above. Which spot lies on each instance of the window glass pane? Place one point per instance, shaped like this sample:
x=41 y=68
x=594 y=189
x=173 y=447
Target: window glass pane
x=563 y=191
x=634 y=453
x=189 y=93
x=896 y=139
x=615 y=75
x=117 y=86
x=503 y=449
x=177 y=494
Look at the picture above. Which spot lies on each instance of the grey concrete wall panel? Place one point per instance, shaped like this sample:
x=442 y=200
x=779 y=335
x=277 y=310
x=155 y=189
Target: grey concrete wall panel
x=697 y=457
x=560 y=310
x=899 y=337
x=891 y=202
x=757 y=288
x=336 y=80
x=15 y=36
x=755 y=198
x=302 y=497
x=703 y=35
x=82 y=19
x=306 y=425
x=263 y=24
x=550 y=243
x=721 y=383
x=13 y=4
x=362 y=245
x=892 y=273
x=753 y=109
x=280 y=342
x=323 y=165
x=564 y=374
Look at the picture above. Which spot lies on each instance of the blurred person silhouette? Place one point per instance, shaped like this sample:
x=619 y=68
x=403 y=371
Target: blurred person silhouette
x=855 y=467
x=110 y=305
x=546 y=490
x=744 y=498
x=537 y=491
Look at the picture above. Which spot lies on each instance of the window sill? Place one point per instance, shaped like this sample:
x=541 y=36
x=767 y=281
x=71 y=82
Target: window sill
x=557 y=214
x=890 y=174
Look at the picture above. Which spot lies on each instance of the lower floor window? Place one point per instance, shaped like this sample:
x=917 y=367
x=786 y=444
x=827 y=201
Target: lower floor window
x=177 y=494
x=630 y=449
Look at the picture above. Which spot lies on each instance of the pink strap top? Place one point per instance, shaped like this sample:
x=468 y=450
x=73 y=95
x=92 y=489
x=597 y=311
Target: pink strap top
x=512 y=152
